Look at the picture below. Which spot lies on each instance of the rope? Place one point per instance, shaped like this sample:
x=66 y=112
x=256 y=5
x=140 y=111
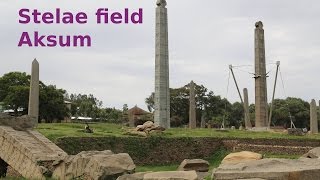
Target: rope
x=284 y=91
x=225 y=106
x=243 y=70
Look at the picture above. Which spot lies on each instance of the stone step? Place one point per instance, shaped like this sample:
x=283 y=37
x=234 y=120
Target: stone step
x=274 y=149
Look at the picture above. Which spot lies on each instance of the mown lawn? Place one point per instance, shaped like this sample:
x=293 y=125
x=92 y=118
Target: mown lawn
x=54 y=131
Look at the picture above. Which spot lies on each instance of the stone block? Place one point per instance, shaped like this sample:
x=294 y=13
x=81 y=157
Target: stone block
x=277 y=169
x=172 y=175
x=198 y=165
x=240 y=157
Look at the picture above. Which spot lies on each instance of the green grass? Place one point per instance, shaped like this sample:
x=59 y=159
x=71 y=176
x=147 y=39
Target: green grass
x=214 y=162
x=282 y=156
x=157 y=168
x=58 y=130
x=54 y=131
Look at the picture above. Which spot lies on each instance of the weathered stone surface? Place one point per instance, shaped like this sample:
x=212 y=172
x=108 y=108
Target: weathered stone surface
x=18 y=123
x=162 y=3
x=274 y=169
x=313 y=117
x=239 y=157
x=162 y=93
x=198 y=165
x=247 y=120
x=261 y=102
x=203 y=122
x=28 y=152
x=148 y=124
x=13 y=173
x=313 y=153
x=172 y=175
x=192 y=107
x=33 y=109
x=95 y=165
x=167 y=175
x=146 y=129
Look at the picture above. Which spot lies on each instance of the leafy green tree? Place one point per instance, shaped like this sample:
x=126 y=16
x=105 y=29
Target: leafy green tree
x=112 y=115
x=14 y=89
x=298 y=109
x=85 y=105
x=237 y=115
x=14 y=93
x=10 y=80
x=52 y=107
x=207 y=104
x=17 y=98
x=150 y=102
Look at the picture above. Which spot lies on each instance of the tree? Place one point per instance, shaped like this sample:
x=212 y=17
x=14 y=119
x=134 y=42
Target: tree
x=237 y=115
x=206 y=102
x=10 y=80
x=298 y=108
x=14 y=89
x=112 y=115
x=85 y=105
x=17 y=98
x=14 y=93
x=150 y=102
x=125 y=108
x=52 y=105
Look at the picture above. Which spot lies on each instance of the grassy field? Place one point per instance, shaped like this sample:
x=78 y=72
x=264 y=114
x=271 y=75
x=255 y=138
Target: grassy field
x=214 y=161
x=54 y=131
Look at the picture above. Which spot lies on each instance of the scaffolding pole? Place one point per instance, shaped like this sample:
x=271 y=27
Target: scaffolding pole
x=273 y=95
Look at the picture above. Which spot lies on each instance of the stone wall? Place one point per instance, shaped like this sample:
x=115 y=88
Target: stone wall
x=143 y=151
x=161 y=150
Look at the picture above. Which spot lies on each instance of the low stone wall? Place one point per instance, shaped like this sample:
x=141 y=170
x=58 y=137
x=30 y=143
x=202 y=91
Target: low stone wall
x=161 y=150
x=152 y=150
x=272 y=146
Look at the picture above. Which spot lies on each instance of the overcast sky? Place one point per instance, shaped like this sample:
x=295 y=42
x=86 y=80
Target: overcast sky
x=205 y=36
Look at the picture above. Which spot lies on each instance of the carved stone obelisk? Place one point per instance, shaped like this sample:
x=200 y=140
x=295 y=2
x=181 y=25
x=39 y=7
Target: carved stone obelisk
x=261 y=102
x=247 y=120
x=33 y=109
x=162 y=92
x=313 y=117
x=192 y=107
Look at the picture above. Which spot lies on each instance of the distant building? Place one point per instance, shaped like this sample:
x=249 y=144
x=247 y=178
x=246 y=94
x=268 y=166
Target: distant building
x=138 y=116
x=82 y=118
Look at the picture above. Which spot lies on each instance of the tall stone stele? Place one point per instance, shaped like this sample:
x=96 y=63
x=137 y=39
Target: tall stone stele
x=192 y=107
x=162 y=92
x=33 y=109
x=261 y=102
x=313 y=117
x=247 y=120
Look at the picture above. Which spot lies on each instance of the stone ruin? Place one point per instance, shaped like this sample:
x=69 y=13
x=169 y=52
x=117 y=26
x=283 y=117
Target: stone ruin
x=33 y=156
x=146 y=129
x=250 y=165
